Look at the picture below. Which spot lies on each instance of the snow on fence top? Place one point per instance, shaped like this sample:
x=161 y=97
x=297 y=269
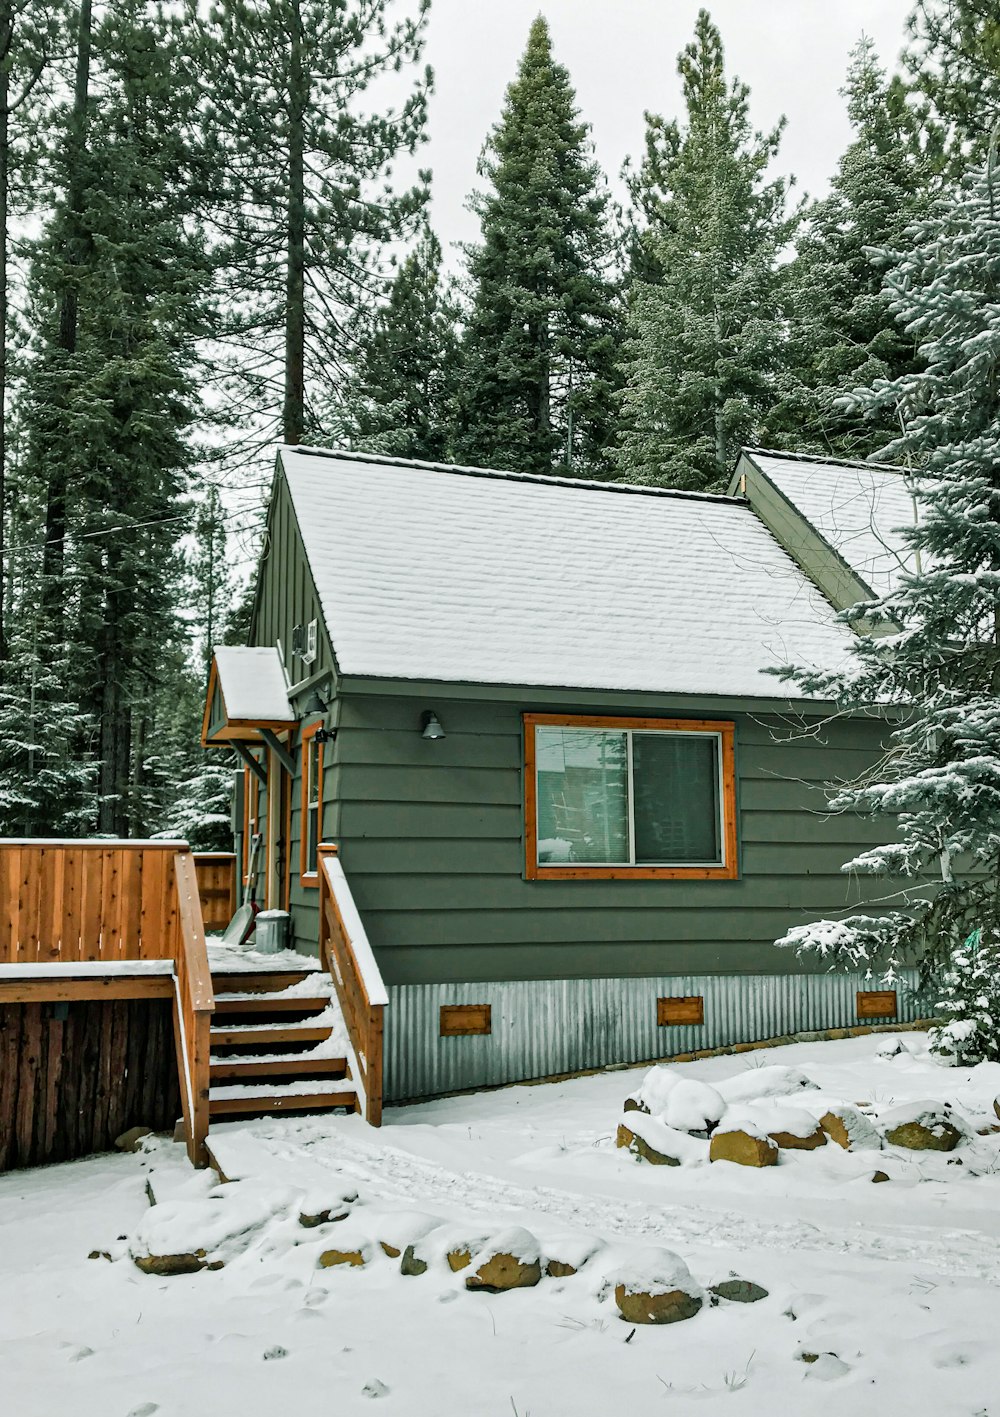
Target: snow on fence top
x=857 y=509
x=461 y=575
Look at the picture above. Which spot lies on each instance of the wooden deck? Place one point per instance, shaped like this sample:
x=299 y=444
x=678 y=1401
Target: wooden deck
x=110 y=921
x=101 y=941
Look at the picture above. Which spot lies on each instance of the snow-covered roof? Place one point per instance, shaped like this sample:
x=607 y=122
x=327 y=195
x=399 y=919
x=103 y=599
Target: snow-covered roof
x=253 y=684
x=462 y=575
x=858 y=508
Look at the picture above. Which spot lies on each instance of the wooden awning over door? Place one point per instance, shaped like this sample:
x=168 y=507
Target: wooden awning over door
x=247 y=695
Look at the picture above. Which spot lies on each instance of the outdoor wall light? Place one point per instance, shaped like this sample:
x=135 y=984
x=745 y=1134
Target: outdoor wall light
x=314 y=704
x=431 y=725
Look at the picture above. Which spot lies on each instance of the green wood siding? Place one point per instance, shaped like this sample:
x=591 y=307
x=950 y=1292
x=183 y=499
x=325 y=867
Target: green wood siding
x=431 y=837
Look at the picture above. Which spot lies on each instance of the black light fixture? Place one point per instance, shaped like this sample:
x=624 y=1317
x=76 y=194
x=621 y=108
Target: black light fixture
x=431 y=725
x=313 y=705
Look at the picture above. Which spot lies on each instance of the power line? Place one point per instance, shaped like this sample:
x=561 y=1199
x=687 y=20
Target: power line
x=118 y=530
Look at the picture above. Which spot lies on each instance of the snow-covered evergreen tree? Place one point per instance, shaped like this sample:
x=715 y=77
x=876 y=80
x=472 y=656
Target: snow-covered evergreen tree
x=937 y=664
x=841 y=331
x=953 y=60
x=967 y=997
x=539 y=346
x=705 y=329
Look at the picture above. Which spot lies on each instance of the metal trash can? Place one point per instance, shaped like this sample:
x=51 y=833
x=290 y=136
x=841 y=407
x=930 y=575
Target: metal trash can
x=271 y=933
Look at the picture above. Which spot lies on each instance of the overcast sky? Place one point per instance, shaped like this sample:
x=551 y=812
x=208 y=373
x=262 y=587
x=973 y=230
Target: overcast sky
x=621 y=55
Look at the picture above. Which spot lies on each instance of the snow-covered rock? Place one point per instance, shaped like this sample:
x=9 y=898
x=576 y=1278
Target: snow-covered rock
x=651 y=1286
x=925 y=1126
x=791 y=1128
x=653 y=1141
x=850 y=1128
x=774 y=1081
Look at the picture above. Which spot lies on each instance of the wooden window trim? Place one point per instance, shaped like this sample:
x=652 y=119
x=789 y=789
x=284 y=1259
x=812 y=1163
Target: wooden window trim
x=726 y=729
x=308 y=878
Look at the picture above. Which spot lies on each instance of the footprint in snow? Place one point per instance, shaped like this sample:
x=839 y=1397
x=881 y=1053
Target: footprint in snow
x=145 y=1410
x=375 y=1389
x=276 y=1352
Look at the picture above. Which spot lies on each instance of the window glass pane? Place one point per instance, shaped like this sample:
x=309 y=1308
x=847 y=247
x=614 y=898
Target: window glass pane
x=582 y=803
x=676 y=788
x=313 y=752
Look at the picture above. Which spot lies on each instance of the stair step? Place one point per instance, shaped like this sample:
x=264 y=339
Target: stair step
x=223 y=1102
x=271 y=1003
x=297 y=1065
x=259 y=983
x=276 y=1036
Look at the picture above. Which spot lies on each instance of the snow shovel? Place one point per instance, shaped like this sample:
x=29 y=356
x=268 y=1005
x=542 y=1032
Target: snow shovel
x=238 y=930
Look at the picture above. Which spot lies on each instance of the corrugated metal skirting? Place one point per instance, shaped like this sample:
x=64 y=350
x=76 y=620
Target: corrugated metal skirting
x=562 y=1025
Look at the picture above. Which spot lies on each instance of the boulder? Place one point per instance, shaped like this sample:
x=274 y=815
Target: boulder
x=559 y=1269
x=172 y=1264
x=389 y=1250
x=321 y=1217
x=878 y=1177
x=410 y=1264
x=458 y=1259
x=129 y=1141
x=633 y=1104
x=743 y=1147
x=640 y=1306
x=789 y=1141
x=739 y=1291
x=850 y=1128
x=329 y=1258
x=996 y=1105
x=640 y=1147
x=503 y=1271
x=924 y=1136
x=693 y=1107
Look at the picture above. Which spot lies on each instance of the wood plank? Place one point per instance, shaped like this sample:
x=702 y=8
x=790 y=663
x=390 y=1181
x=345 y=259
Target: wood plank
x=689 y=1009
x=131 y=908
x=300 y=1066
x=90 y=910
x=290 y=1102
x=262 y=1004
x=28 y=905
x=31 y=1042
x=62 y=990
x=153 y=941
x=256 y=983
x=10 y=860
x=111 y=925
x=276 y=1037
x=72 y=906
x=461 y=1020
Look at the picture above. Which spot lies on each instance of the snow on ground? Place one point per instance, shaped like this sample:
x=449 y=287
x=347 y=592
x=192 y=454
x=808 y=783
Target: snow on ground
x=894 y=1287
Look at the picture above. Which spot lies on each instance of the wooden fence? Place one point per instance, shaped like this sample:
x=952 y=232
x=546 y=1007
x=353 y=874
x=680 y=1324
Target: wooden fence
x=346 y=953
x=111 y=902
x=217 y=887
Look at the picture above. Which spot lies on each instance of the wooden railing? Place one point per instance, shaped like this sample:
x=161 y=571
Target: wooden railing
x=216 y=872
x=193 y=1006
x=108 y=903
x=346 y=953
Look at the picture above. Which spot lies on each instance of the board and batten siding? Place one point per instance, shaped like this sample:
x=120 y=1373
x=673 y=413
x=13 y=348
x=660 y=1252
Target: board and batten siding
x=431 y=836
x=286 y=598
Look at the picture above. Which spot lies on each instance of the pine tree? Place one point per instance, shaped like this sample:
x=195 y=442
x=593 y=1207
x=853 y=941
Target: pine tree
x=937 y=660
x=307 y=206
x=704 y=330
x=842 y=332
x=30 y=35
x=109 y=416
x=967 y=997
x=953 y=61
x=211 y=587
x=539 y=346
x=403 y=389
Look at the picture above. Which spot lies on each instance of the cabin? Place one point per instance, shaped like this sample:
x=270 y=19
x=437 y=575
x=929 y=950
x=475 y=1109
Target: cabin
x=519 y=783
x=536 y=720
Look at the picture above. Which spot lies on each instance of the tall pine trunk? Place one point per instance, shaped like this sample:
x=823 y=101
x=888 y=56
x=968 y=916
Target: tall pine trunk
x=53 y=556
x=295 y=294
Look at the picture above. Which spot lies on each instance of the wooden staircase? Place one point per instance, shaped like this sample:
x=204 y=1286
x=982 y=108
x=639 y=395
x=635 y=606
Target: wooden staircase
x=267 y=1055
